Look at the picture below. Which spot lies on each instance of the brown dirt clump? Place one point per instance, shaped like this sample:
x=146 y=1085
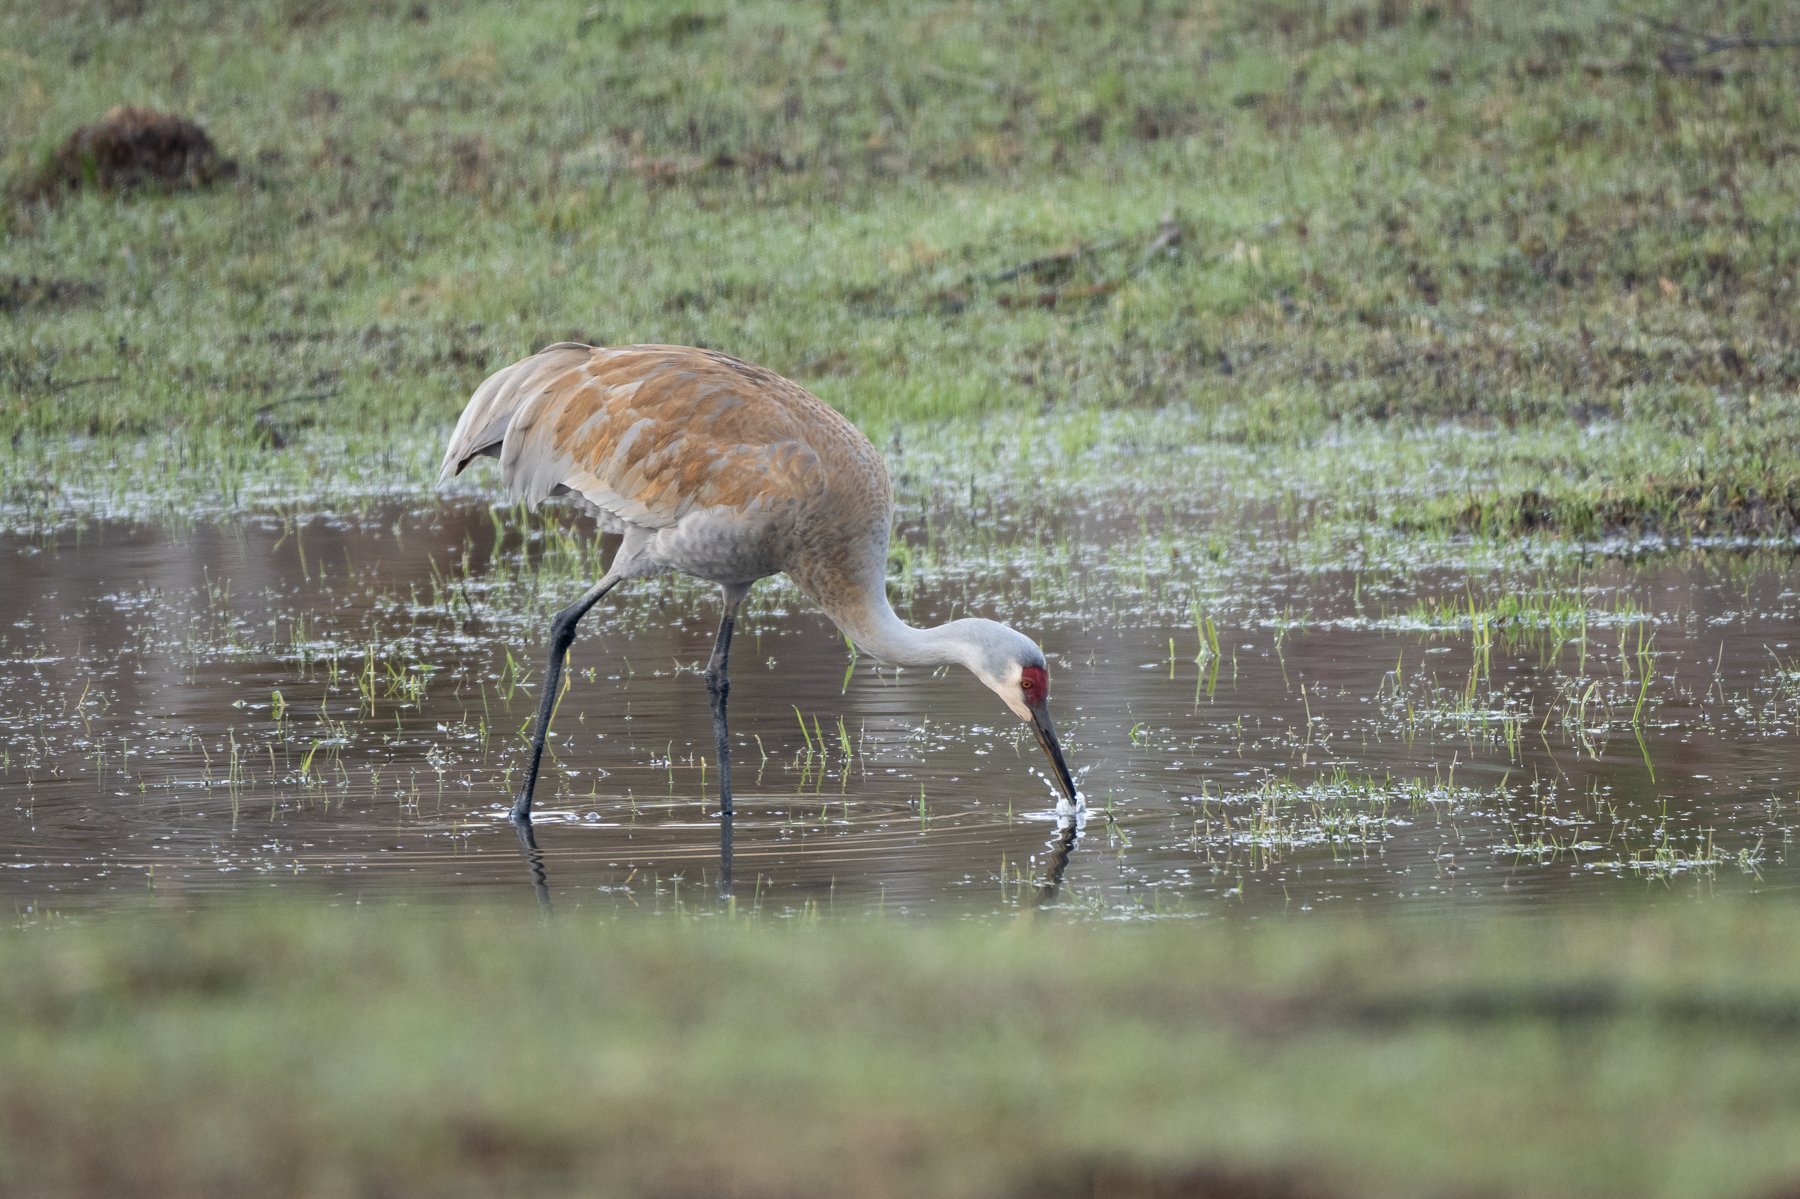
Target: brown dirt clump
x=21 y=292
x=130 y=148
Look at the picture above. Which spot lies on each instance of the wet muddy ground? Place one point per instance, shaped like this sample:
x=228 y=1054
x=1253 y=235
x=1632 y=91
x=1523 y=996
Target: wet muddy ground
x=1259 y=722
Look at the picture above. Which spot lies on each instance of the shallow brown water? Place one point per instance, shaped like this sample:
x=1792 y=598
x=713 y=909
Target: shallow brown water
x=336 y=707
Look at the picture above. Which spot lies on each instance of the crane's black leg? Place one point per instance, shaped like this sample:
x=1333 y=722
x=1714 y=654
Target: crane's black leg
x=562 y=633
x=718 y=686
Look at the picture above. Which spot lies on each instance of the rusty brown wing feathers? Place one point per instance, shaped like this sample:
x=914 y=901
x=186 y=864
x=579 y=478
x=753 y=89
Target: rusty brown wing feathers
x=645 y=433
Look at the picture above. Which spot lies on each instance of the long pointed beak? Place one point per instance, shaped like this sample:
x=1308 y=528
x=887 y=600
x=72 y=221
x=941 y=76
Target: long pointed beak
x=1046 y=735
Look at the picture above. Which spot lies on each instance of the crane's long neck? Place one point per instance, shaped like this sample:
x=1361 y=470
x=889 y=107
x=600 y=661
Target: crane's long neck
x=877 y=631
x=852 y=589
x=841 y=563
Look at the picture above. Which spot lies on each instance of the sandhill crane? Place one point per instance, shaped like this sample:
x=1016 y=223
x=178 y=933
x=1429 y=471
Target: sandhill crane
x=726 y=471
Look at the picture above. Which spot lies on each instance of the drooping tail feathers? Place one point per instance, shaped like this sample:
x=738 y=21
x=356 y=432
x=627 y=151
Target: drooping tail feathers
x=490 y=410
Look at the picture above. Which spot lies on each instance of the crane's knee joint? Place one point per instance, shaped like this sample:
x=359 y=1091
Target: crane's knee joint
x=562 y=626
x=717 y=683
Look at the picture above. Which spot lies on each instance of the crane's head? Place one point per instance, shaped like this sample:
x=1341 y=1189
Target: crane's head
x=1013 y=667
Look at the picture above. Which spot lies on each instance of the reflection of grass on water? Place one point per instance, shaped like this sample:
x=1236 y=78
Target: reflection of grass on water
x=1344 y=814
x=300 y=1051
x=1546 y=614
x=1345 y=817
x=1601 y=685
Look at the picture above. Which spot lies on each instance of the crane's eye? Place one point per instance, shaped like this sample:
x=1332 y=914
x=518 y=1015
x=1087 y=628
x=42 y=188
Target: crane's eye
x=1034 y=682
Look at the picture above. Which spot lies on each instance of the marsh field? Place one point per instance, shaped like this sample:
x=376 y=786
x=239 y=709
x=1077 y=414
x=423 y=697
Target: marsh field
x=1386 y=415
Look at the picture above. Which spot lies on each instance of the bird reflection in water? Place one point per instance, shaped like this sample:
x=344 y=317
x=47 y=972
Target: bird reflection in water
x=1061 y=846
x=540 y=874
x=534 y=863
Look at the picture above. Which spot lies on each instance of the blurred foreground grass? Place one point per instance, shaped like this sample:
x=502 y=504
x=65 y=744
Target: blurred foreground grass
x=289 y=1050
x=1565 y=228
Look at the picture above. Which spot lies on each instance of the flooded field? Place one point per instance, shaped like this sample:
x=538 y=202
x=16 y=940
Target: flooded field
x=1258 y=723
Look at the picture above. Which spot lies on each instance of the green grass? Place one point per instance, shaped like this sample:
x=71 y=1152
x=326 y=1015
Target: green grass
x=299 y=1051
x=1519 y=229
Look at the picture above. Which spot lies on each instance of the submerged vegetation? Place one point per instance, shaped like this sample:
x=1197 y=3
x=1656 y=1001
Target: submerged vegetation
x=1442 y=267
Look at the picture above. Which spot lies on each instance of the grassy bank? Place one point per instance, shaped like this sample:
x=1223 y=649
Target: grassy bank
x=295 y=1051
x=1293 y=228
